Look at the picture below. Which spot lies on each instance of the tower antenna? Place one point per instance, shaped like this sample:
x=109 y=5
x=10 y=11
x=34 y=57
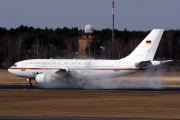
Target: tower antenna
x=82 y=23
x=112 y=49
x=112 y=20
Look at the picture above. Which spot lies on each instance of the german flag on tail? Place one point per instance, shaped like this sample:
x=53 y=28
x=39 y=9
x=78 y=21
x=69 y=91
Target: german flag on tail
x=148 y=41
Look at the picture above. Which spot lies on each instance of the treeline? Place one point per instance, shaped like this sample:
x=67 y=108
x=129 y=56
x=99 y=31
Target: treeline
x=31 y=43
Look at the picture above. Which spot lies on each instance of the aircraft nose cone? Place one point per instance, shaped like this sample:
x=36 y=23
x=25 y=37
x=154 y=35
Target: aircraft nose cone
x=9 y=70
x=12 y=71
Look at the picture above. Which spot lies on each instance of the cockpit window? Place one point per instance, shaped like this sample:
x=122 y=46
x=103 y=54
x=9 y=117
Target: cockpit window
x=15 y=65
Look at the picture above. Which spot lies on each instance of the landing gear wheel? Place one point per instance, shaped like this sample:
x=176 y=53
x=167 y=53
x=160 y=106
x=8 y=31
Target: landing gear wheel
x=29 y=84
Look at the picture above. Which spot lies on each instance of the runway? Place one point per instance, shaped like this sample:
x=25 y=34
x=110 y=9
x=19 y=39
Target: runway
x=41 y=118
x=24 y=87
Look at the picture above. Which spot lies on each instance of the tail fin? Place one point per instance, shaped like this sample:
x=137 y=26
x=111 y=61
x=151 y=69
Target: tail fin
x=147 y=48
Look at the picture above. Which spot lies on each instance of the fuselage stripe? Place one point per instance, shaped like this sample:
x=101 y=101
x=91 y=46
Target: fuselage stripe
x=23 y=69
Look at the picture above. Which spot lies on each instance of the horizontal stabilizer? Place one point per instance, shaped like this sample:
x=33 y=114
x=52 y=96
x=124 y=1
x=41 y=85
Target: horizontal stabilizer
x=145 y=64
x=166 y=61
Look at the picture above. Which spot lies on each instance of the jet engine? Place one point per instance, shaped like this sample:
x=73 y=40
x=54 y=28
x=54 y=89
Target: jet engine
x=47 y=78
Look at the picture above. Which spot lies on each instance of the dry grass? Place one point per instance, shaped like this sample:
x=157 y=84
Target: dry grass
x=87 y=104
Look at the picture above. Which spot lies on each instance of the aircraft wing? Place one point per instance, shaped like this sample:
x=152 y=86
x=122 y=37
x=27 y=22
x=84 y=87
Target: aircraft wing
x=76 y=75
x=72 y=73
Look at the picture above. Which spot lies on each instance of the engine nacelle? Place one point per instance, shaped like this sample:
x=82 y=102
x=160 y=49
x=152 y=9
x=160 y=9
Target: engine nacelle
x=46 y=78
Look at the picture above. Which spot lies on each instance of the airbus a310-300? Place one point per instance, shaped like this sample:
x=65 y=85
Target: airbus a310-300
x=70 y=71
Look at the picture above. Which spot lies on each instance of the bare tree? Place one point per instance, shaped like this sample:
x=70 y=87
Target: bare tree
x=10 y=48
x=19 y=46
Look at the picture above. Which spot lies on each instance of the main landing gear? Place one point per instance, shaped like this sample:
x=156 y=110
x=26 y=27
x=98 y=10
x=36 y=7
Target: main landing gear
x=29 y=82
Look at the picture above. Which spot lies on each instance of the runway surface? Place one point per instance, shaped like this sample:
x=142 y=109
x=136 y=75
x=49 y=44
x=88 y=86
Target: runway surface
x=36 y=118
x=24 y=87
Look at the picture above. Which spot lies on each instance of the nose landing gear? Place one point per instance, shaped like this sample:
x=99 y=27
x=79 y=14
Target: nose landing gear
x=29 y=82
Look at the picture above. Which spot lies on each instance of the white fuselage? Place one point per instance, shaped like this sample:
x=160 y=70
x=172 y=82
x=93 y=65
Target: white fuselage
x=86 y=68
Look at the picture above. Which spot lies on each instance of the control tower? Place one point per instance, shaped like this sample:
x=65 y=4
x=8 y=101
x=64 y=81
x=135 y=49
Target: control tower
x=85 y=40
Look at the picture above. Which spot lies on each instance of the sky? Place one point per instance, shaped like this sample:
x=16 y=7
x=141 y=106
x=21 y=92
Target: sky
x=129 y=14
